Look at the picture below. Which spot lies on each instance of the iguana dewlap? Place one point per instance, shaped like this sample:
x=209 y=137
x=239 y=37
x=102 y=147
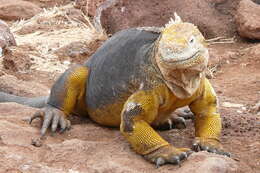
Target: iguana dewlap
x=134 y=81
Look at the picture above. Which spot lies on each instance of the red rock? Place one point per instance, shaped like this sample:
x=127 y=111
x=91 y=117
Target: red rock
x=203 y=162
x=87 y=147
x=214 y=18
x=254 y=51
x=17 y=9
x=17 y=60
x=248 y=19
x=78 y=51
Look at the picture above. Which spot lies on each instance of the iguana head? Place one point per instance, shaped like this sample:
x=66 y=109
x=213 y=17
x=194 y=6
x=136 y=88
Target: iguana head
x=182 y=57
x=182 y=45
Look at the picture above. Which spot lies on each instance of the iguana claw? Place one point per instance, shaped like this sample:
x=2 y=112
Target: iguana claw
x=173 y=123
x=51 y=117
x=168 y=154
x=209 y=145
x=159 y=162
x=185 y=113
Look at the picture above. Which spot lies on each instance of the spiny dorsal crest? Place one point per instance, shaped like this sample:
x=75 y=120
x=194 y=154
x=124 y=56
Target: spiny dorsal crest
x=172 y=21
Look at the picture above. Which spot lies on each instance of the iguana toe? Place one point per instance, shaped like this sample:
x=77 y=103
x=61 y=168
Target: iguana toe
x=159 y=162
x=173 y=123
x=179 y=122
x=185 y=113
x=52 y=117
x=209 y=145
x=168 y=154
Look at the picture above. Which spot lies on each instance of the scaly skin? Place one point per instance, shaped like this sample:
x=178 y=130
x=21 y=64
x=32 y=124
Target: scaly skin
x=169 y=73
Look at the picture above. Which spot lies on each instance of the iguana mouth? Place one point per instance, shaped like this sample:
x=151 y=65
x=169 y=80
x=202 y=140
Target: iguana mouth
x=194 y=55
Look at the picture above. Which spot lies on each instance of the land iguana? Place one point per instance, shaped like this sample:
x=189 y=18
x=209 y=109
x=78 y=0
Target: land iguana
x=134 y=81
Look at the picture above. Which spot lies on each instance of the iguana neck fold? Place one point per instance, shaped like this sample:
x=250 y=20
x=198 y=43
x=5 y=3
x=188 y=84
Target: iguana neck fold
x=183 y=82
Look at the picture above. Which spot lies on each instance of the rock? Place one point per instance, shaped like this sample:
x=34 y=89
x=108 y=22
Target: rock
x=78 y=51
x=248 y=19
x=214 y=18
x=6 y=37
x=87 y=147
x=254 y=51
x=17 y=9
x=203 y=162
x=74 y=51
x=88 y=7
x=16 y=59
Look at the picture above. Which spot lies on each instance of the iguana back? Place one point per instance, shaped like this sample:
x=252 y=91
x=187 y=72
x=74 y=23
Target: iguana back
x=119 y=66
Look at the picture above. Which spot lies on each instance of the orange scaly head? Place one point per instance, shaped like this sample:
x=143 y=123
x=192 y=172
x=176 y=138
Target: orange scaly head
x=182 y=45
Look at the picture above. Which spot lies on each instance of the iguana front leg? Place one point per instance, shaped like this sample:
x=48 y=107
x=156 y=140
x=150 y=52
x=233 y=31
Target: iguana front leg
x=67 y=95
x=138 y=113
x=207 y=121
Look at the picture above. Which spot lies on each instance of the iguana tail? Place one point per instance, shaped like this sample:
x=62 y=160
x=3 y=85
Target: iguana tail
x=37 y=102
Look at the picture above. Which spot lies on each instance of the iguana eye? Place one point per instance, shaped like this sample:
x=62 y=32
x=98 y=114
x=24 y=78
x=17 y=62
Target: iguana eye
x=192 y=39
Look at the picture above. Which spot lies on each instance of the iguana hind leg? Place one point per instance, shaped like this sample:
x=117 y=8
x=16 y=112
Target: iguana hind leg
x=138 y=113
x=177 y=119
x=67 y=97
x=174 y=122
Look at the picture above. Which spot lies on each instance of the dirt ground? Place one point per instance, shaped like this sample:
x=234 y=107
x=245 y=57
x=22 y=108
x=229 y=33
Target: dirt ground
x=236 y=79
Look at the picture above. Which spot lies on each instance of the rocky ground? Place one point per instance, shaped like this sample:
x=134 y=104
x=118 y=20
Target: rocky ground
x=49 y=41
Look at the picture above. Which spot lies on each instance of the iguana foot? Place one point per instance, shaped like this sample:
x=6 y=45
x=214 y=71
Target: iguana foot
x=173 y=123
x=53 y=117
x=168 y=154
x=184 y=112
x=209 y=144
x=178 y=120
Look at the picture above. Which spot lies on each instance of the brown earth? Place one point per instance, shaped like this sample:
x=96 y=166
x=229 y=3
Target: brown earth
x=88 y=147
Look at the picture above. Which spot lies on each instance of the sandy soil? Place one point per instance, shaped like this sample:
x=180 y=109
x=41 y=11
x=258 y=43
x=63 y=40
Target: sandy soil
x=236 y=82
x=236 y=79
